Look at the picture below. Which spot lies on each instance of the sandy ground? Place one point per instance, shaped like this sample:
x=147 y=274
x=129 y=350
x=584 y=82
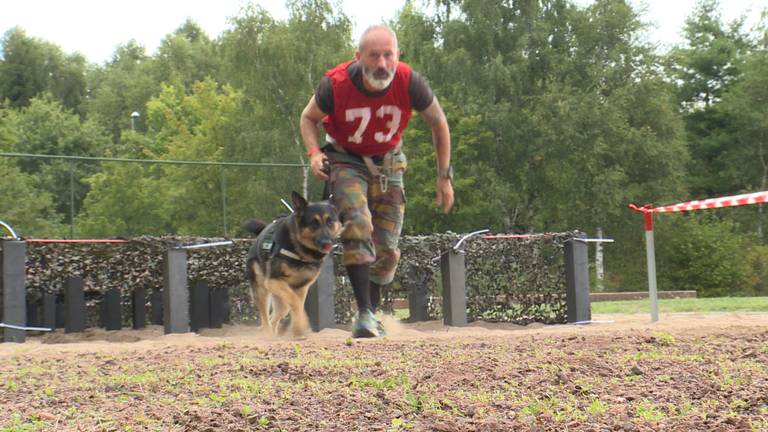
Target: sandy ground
x=99 y=340
x=686 y=372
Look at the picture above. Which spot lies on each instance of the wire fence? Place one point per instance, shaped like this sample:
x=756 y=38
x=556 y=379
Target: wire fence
x=80 y=167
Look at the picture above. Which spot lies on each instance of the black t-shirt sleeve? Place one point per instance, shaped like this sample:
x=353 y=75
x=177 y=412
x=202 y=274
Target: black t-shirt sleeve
x=324 y=95
x=421 y=94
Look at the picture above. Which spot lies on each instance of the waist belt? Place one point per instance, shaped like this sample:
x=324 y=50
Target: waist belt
x=379 y=172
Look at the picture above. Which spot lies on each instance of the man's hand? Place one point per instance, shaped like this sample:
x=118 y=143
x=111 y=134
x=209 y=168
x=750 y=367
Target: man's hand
x=444 y=194
x=318 y=162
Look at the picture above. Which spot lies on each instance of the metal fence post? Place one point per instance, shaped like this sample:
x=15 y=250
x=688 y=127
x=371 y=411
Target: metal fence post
x=74 y=305
x=13 y=296
x=452 y=265
x=112 y=311
x=577 y=281
x=139 y=305
x=199 y=307
x=219 y=306
x=33 y=315
x=175 y=292
x=417 y=298
x=49 y=310
x=320 y=305
x=650 y=256
x=156 y=306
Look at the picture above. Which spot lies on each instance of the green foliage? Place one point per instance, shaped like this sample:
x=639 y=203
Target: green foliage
x=30 y=66
x=125 y=200
x=24 y=205
x=561 y=113
x=46 y=127
x=313 y=39
x=186 y=56
x=743 y=132
x=711 y=58
x=122 y=86
x=702 y=253
x=757 y=273
x=705 y=68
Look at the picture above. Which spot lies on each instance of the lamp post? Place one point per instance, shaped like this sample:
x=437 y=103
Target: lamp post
x=134 y=116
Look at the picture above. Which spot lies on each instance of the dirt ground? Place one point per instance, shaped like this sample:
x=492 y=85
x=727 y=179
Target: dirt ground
x=688 y=371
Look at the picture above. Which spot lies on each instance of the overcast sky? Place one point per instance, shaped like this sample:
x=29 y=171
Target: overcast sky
x=96 y=27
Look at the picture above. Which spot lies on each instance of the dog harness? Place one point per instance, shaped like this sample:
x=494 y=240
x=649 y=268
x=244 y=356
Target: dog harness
x=268 y=244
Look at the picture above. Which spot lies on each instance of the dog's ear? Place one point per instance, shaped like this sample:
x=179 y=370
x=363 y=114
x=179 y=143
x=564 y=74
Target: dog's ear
x=299 y=203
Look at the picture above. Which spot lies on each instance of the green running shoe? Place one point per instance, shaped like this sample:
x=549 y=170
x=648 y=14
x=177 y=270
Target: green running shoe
x=380 y=329
x=366 y=326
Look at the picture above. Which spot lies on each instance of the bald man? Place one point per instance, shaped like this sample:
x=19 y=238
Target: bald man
x=365 y=105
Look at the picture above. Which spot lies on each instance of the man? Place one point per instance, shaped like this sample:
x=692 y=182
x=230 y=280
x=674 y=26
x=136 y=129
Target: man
x=365 y=105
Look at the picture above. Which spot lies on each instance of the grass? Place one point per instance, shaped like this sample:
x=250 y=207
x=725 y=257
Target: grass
x=718 y=304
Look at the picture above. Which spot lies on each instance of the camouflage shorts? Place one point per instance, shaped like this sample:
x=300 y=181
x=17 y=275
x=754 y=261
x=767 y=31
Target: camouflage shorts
x=372 y=218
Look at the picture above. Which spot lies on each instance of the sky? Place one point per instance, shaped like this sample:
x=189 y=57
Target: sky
x=96 y=27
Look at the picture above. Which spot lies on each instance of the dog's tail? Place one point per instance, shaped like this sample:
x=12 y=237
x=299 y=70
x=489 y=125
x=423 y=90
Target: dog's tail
x=254 y=226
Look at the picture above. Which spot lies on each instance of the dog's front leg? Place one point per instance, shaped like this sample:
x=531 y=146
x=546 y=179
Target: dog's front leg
x=294 y=300
x=279 y=311
x=261 y=298
x=300 y=325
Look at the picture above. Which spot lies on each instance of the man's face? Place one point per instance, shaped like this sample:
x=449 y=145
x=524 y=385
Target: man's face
x=378 y=58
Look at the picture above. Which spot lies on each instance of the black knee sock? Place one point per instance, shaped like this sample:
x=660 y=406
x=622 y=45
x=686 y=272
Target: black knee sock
x=375 y=296
x=359 y=278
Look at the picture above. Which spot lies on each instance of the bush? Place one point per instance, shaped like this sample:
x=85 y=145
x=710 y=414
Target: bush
x=757 y=271
x=699 y=252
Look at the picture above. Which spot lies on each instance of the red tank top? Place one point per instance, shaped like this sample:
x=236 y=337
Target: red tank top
x=367 y=125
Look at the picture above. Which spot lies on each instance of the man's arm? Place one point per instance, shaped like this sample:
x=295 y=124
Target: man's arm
x=310 y=117
x=441 y=138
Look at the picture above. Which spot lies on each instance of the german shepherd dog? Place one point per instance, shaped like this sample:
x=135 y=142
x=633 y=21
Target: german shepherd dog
x=285 y=260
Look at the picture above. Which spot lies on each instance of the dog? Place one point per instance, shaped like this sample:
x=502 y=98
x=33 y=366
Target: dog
x=285 y=260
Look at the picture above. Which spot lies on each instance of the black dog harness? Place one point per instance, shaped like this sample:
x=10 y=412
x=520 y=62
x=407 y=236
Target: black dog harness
x=273 y=241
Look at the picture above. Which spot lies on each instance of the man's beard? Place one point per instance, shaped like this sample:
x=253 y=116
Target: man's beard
x=377 y=79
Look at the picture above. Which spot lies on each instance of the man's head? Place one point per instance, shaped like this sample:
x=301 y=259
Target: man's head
x=378 y=55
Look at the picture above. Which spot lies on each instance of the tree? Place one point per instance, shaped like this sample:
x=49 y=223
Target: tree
x=743 y=160
x=702 y=253
x=23 y=204
x=122 y=86
x=571 y=108
x=185 y=56
x=277 y=91
x=31 y=66
x=46 y=127
x=712 y=57
x=126 y=200
x=704 y=68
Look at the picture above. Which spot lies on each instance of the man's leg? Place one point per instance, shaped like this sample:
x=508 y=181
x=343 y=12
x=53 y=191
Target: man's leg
x=375 y=296
x=387 y=211
x=359 y=277
x=350 y=195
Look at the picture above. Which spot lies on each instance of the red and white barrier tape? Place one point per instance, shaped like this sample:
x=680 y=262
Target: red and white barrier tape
x=731 y=201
